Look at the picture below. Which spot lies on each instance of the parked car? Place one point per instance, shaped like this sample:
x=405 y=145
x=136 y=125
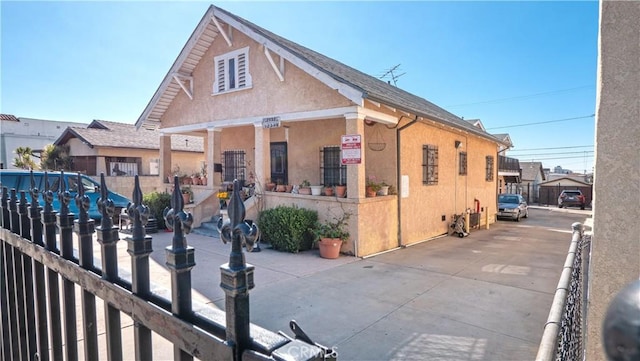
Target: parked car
x=570 y=198
x=512 y=206
x=21 y=181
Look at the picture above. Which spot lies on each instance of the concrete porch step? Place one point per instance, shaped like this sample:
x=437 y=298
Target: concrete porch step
x=208 y=228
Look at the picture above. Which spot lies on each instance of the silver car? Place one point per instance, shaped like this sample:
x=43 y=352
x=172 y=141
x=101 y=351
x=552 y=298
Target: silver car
x=512 y=206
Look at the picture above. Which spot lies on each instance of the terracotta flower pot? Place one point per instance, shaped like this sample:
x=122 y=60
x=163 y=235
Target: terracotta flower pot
x=328 y=191
x=330 y=247
x=341 y=191
x=270 y=187
x=304 y=190
x=371 y=192
x=280 y=188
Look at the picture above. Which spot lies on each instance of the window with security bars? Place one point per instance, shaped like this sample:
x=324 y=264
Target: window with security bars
x=462 y=170
x=332 y=171
x=489 y=168
x=232 y=71
x=429 y=164
x=233 y=165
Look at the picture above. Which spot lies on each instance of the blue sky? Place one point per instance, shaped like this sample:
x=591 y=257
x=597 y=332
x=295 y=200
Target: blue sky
x=506 y=63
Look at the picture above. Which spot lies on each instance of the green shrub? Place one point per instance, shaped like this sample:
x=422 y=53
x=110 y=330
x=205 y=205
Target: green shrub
x=157 y=202
x=288 y=228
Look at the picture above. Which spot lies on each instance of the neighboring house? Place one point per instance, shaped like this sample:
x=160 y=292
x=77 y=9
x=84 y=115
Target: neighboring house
x=272 y=110
x=550 y=189
x=27 y=132
x=118 y=150
x=532 y=176
x=509 y=174
x=585 y=178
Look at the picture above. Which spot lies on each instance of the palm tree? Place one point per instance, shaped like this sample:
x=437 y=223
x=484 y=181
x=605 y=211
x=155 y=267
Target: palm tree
x=23 y=158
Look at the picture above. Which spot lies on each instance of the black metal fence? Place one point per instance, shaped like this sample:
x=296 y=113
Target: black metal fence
x=39 y=273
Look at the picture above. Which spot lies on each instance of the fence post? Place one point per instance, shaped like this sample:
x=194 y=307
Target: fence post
x=84 y=227
x=27 y=272
x=38 y=276
x=107 y=237
x=9 y=320
x=18 y=286
x=65 y=227
x=49 y=222
x=236 y=275
x=180 y=260
x=139 y=248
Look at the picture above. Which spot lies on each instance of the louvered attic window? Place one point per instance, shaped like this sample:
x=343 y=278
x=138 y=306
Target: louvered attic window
x=232 y=71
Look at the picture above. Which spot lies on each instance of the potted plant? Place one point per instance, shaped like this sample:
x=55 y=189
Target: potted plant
x=187 y=194
x=384 y=189
x=330 y=235
x=223 y=196
x=316 y=190
x=270 y=186
x=195 y=178
x=203 y=175
x=372 y=187
x=341 y=190
x=305 y=187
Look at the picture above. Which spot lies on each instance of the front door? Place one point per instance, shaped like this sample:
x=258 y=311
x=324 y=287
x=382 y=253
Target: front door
x=279 y=168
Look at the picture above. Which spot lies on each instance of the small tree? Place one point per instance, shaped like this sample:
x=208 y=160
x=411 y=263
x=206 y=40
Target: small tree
x=23 y=158
x=56 y=157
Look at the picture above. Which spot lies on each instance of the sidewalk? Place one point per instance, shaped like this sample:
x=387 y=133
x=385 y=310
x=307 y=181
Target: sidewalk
x=483 y=297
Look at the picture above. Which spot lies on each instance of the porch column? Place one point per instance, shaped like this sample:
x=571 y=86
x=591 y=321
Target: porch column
x=262 y=155
x=165 y=157
x=356 y=173
x=209 y=156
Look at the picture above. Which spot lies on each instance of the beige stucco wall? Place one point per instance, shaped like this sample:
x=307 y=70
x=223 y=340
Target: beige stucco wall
x=268 y=95
x=372 y=224
x=422 y=210
x=615 y=246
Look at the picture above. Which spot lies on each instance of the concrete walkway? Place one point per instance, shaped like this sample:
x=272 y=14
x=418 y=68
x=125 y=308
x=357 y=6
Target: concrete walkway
x=483 y=297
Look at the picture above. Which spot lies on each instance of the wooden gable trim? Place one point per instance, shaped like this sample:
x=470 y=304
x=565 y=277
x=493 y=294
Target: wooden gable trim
x=227 y=37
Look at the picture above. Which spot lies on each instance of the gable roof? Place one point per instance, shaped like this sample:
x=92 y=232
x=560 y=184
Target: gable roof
x=570 y=179
x=531 y=169
x=351 y=83
x=505 y=138
x=102 y=133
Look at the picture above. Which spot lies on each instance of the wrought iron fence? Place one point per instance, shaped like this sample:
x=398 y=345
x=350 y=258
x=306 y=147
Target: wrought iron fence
x=35 y=274
x=563 y=336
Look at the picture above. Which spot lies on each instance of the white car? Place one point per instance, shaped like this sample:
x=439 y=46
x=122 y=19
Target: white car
x=512 y=206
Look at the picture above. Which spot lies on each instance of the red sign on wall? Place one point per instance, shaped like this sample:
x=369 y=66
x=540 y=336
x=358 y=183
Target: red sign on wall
x=351 y=149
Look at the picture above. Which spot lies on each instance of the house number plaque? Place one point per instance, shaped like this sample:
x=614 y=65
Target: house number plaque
x=271 y=122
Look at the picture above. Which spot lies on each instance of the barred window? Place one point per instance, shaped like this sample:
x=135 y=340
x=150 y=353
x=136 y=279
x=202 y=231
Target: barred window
x=332 y=172
x=233 y=166
x=489 y=168
x=429 y=164
x=462 y=170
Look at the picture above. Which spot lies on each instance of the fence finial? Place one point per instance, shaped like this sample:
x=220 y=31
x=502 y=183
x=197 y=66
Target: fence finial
x=83 y=202
x=238 y=231
x=105 y=205
x=176 y=218
x=63 y=196
x=137 y=211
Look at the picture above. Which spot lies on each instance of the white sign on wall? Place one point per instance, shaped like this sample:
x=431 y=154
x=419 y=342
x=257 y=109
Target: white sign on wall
x=351 y=149
x=405 y=186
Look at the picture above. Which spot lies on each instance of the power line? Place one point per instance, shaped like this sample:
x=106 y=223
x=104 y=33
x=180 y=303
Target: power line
x=576 y=146
x=537 y=159
x=545 y=122
x=563 y=153
x=521 y=97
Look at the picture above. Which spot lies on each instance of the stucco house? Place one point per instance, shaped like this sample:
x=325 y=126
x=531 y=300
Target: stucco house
x=269 y=109
x=532 y=175
x=119 y=151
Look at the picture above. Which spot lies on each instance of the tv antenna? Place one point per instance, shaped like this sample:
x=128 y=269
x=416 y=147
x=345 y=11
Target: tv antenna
x=392 y=74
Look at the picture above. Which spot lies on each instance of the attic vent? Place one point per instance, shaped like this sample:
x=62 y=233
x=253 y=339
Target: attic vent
x=232 y=71
x=149 y=126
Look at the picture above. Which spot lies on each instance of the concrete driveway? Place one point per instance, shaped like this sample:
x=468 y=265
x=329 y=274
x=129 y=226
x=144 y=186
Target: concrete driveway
x=483 y=297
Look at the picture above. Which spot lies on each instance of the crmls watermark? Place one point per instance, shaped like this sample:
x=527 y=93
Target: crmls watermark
x=307 y=352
